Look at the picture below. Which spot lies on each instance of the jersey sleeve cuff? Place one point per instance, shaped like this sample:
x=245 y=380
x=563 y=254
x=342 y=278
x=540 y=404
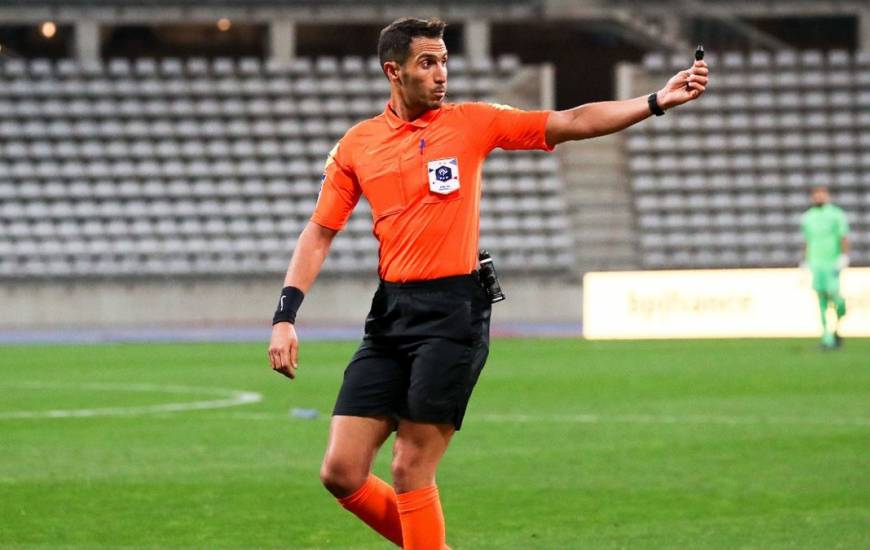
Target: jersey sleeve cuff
x=546 y=146
x=329 y=224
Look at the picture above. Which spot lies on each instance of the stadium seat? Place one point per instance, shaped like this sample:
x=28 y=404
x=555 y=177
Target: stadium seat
x=761 y=144
x=139 y=163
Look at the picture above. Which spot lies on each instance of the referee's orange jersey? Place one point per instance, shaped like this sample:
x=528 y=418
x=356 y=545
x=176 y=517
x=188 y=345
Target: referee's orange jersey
x=422 y=180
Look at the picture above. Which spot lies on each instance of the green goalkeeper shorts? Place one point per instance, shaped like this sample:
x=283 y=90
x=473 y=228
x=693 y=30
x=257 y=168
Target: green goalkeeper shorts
x=826 y=280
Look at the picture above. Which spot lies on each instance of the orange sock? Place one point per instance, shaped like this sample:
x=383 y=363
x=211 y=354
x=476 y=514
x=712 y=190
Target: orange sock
x=375 y=504
x=422 y=519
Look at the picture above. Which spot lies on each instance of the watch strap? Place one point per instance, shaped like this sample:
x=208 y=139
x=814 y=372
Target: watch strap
x=654 y=107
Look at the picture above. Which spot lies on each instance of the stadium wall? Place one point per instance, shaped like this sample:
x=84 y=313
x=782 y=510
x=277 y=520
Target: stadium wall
x=176 y=302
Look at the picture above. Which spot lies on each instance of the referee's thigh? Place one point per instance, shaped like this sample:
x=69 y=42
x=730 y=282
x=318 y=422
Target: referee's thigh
x=375 y=382
x=441 y=375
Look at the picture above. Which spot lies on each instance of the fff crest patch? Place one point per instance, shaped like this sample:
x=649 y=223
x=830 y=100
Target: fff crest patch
x=443 y=175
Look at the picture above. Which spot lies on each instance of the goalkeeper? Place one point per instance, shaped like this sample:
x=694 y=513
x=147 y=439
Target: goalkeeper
x=825 y=229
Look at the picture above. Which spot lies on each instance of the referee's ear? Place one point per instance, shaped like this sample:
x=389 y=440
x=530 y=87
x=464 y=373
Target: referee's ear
x=391 y=69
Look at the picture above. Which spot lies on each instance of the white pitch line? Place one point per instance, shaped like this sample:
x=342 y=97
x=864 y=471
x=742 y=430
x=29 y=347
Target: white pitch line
x=233 y=398
x=228 y=398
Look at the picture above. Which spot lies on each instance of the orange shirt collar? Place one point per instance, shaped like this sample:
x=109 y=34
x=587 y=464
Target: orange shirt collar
x=420 y=122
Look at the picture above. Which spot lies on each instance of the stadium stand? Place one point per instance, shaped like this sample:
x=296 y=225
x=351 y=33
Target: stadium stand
x=722 y=182
x=211 y=166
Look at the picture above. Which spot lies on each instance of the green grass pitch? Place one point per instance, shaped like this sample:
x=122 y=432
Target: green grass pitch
x=567 y=444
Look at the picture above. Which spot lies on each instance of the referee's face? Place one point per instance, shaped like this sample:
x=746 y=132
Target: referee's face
x=422 y=78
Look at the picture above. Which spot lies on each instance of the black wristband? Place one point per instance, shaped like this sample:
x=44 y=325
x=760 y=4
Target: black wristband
x=288 y=305
x=653 y=102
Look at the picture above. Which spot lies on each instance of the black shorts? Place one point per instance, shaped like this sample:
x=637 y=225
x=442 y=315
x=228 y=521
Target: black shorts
x=424 y=347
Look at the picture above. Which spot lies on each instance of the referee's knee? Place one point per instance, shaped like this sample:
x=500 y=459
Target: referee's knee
x=412 y=471
x=341 y=479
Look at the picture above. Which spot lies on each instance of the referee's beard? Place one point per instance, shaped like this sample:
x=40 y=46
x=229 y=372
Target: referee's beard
x=432 y=99
x=435 y=104
x=420 y=94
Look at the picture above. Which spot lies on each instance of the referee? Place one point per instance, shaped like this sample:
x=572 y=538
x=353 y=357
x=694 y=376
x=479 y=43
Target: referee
x=427 y=334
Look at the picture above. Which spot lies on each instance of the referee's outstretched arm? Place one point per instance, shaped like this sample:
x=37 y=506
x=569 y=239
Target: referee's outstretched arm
x=605 y=117
x=308 y=256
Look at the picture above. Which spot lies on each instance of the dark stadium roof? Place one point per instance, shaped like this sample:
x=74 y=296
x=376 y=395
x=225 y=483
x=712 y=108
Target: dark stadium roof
x=247 y=3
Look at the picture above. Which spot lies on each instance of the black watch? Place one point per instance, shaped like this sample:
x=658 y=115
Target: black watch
x=654 y=108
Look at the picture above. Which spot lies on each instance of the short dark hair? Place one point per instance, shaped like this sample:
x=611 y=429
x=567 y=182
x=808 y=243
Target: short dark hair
x=394 y=43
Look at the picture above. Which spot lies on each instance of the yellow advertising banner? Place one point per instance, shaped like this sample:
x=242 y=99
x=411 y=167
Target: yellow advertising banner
x=729 y=303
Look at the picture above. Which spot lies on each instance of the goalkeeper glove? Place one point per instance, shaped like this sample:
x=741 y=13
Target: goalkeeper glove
x=842 y=262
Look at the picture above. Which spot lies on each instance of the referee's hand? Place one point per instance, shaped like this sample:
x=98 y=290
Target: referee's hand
x=684 y=86
x=283 y=349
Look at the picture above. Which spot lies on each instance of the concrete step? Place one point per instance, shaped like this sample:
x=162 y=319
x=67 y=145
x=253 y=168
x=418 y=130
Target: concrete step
x=588 y=262
x=589 y=196
x=603 y=249
x=604 y=215
x=604 y=233
x=607 y=264
x=609 y=246
x=604 y=161
x=583 y=178
x=614 y=234
x=594 y=177
x=614 y=265
x=611 y=144
x=600 y=204
x=624 y=257
x=591 y=189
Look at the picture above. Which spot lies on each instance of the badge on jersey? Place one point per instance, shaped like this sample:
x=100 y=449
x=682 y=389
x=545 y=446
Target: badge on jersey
x=330 y=158
x=443 y=175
